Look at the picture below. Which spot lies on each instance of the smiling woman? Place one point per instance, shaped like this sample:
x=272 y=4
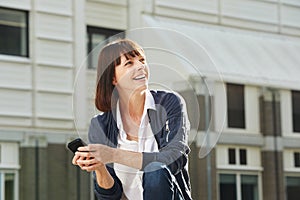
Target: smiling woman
x=138 y=146
x=111 y=58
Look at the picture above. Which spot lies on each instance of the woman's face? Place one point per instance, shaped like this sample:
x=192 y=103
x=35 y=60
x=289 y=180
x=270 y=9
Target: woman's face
x=131 y=74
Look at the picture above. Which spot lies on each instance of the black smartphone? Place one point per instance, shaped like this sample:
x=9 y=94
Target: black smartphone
x=73 y=145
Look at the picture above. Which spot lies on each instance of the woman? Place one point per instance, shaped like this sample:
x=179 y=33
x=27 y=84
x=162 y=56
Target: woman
x=138 y=145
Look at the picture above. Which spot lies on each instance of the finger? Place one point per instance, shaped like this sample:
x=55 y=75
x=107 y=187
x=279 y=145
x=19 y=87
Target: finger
x=93 y=167
x=82 y=161
x=82 y=154
x=74 y=160
x=83 y=149
x=86 y=162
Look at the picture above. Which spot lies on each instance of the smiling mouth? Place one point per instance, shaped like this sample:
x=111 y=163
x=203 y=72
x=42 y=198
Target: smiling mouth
x=139 y=77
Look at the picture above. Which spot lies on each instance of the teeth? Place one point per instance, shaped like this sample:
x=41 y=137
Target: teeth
x=139 y=77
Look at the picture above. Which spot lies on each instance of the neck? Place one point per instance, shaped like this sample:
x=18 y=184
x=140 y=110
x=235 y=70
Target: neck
x=132 y=104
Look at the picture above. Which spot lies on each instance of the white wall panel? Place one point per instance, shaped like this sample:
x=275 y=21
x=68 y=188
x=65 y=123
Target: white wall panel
x=55 y=6
x=286 y=112
x=15 y=121
x=106 y=15
x=290 y=16
x=290 y=31
x=222 y=155
x=91 y=85
x=116 y=2
x=252 y=109
x=15 y=102
x=250 y=9
x=18 y=4
x=220 y=107
x=54 y=78
x=186 y=14
x=291 y=2
x=54 y=52
x=54 y=26
x=9 y=154
x=253 y=157
x=206 y=11
x=15 y=75
x=289 y=160
x=241 y=23
x=50 y=105
x=192 y=5
x=52 y=123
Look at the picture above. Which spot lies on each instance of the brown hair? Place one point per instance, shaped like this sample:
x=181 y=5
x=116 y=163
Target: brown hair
x=110 y=57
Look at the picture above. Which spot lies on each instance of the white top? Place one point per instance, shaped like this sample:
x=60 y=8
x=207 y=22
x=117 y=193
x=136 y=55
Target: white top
x=132 y=178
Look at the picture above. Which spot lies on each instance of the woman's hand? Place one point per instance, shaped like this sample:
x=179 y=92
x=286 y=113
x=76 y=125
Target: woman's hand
x=96 y=152
x=86 y=162
x=86 y=159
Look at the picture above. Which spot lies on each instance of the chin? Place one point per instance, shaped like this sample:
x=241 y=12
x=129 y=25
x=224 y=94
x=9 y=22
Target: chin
x=142 y=88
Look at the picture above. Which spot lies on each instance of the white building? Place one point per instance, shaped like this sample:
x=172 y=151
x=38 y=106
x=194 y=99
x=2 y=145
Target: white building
x=255 y=47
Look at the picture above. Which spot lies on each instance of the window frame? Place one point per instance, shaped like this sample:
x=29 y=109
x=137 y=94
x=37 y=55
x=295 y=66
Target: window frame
x=230 y=158
x=294 y=93
x=243 y=160
x=229 y=123
x=238 y=176
x=285 y=181
x=235 y=155
x=27 y=49
x=296 y=159
x=106 y=32
x=16 y=183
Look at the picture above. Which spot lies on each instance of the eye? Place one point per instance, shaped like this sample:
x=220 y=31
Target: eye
x=128 y=63
x=142 y=60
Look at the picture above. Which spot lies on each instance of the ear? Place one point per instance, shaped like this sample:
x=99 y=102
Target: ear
x=114 y=81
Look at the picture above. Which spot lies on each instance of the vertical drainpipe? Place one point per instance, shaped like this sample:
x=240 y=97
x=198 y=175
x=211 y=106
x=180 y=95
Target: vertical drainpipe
x=276 y=134
x=37 y=160
x=207 y=117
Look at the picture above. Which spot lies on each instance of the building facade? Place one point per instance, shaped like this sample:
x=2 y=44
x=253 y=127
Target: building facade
x=47 y=82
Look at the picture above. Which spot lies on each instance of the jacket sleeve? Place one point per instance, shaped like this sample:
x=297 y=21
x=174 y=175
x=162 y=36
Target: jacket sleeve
x=96 y=136
x=173 y=140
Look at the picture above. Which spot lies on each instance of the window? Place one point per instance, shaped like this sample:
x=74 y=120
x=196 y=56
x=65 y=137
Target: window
x=233 y=155
x=292 y=188
x=238 y=187
x=13 y=32
x=227 y=187
x=235 y=105
x=8 y=185
x=96 y=36
x=296 y=110
x=243 y=157
x=297 y=159
x=249 y=186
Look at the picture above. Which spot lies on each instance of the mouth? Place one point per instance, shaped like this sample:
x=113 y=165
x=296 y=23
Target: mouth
x=139 y=77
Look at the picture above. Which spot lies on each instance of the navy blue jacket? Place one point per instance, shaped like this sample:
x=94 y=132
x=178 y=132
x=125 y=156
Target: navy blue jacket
x=169 y=124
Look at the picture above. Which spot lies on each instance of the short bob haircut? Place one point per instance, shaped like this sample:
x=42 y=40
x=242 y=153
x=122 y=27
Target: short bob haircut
x=110 y=57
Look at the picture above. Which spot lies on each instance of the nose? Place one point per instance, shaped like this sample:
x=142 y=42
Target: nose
x=141 y=65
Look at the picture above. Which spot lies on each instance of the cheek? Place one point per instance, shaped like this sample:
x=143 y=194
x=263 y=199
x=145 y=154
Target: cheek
x=118 y=73
x=147 y=71
x=121 y=75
